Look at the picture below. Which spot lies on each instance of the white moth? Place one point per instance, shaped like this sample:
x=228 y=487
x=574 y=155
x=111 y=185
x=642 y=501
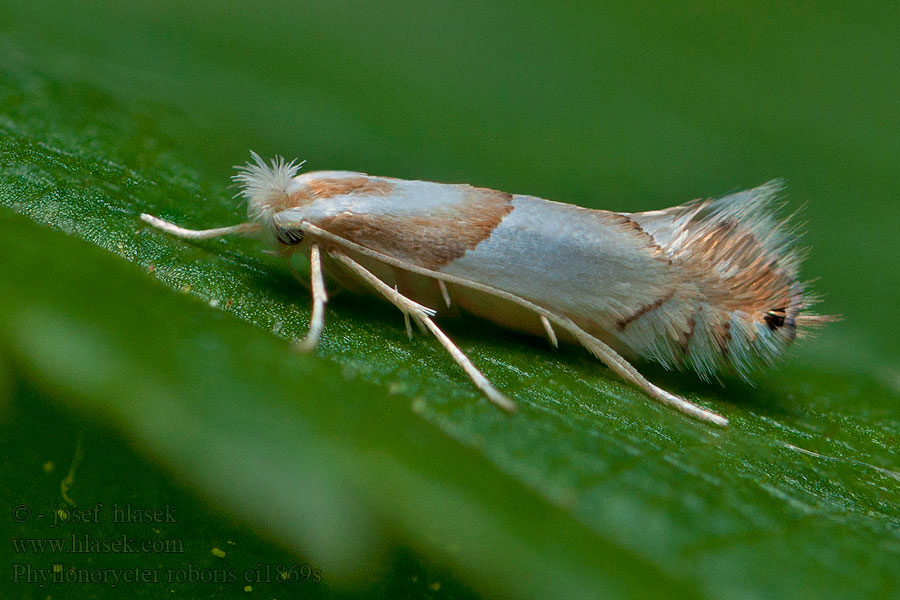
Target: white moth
x=709 y=284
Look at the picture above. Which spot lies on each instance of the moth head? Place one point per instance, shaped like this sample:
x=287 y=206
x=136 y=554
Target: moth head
x=269 y=188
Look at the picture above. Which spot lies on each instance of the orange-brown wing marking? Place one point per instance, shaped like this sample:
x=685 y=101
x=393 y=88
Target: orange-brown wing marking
x=328 y=188
x=623 y=323
x=430 y=241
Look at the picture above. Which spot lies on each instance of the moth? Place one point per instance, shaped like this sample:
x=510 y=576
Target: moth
x=708 y=285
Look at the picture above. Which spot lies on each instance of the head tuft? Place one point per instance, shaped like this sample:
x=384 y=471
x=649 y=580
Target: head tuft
x=266 y=187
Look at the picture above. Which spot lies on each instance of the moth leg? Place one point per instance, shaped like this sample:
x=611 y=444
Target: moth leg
x=551 y=335
x=320 y=297
x=626 y=371
x=408 y=322
x=444 y=293
x=197 y=234
x=423 y=315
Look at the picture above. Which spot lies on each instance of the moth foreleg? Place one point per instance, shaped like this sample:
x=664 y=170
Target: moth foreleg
x=320 y=297
x=423 y=315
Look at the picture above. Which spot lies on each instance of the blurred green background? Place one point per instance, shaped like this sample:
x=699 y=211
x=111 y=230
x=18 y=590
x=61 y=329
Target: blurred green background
x=374 y=460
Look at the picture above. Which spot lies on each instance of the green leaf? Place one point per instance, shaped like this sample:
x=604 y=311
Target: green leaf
x=374 y=446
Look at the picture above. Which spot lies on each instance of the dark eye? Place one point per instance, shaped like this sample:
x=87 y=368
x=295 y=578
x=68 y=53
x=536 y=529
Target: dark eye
x=288 y=237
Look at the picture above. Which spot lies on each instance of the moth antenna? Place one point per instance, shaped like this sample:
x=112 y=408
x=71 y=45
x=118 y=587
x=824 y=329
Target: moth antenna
x=197 y=234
